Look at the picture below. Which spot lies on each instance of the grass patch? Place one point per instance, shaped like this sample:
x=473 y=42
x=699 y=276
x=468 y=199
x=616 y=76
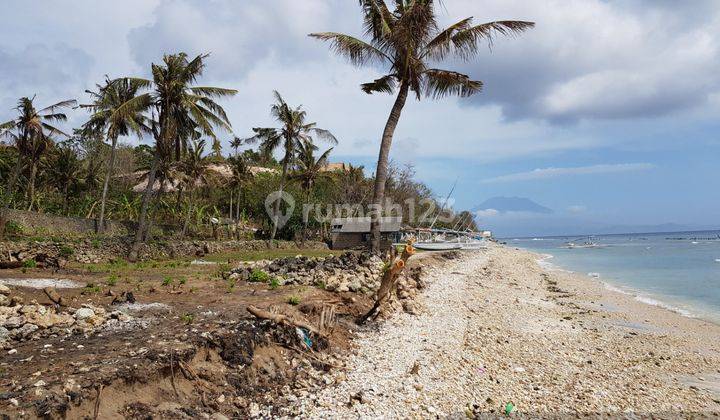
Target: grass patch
x=274 y=283
x=31 y=263
x=167 y=281
x=112 y=280
x=259 y=276
x=294 y=300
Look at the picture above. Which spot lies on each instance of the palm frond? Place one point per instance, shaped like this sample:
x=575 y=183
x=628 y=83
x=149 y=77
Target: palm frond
x=62 y=104
x=213 y=92
x=325 y=135
x=440 y=83
x=355 y=50
x=465 y=43
x=385 y=84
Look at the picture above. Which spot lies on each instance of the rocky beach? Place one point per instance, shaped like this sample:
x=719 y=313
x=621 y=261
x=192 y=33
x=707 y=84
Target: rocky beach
x=499 y=334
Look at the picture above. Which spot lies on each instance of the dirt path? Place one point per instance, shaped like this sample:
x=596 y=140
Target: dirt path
x=497 y=328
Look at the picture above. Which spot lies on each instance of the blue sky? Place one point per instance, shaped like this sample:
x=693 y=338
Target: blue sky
x=606 y=112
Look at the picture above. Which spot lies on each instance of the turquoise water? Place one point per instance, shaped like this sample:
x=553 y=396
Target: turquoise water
x=678 y=270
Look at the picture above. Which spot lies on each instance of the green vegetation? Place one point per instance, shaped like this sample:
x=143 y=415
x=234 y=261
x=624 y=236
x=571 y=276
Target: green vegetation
x=187 y=318
x=66 y=251
x=91 y=288
x=31 y=263
x=112 y=280
x=167 y=281
x=294 y=300
x=274 y=283
x=259 y=276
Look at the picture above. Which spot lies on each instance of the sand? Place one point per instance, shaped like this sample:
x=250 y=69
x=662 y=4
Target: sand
x=499 y=328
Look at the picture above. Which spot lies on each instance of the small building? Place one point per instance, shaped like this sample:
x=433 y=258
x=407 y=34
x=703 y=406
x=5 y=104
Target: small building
x=354 y=232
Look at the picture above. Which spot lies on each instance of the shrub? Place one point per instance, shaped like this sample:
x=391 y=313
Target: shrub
x=182 y=280
x=231 y=285
x=31 y=263
x=66 y=251
x=112 y=280
x=274 y=283
x=294 y=300
x=187 y=318
x=13 y=228
x=95 y=243
x=259 y=276
x=91 y=288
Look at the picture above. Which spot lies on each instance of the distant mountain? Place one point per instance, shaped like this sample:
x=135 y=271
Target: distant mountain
x=506 y=204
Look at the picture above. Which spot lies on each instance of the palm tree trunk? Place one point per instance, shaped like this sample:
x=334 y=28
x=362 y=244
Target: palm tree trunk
x=65 y=198
x=237 y=210
x=187 y=216
x=142 y=221
x=31 y=184
x=106 y=185
x=8 y=195
x=231 y=203
x=276 y=205
x=382 y=165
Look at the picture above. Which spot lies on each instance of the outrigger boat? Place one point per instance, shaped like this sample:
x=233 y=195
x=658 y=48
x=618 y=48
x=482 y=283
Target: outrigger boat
x=444 y=239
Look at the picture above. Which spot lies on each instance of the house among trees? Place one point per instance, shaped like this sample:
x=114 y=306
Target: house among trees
x=354 y=232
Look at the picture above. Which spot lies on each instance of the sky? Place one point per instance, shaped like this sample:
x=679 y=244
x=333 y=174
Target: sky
x=605 y=112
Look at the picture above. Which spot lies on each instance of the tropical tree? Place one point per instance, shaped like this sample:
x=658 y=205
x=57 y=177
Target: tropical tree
x=64 y=171
x=105 y=117
x=293 y=131
x=194 y=171
x=236 y=143
x=30 y=132
x=240 y=175
x=408 y=41
x=308 y=170
x=182 y=109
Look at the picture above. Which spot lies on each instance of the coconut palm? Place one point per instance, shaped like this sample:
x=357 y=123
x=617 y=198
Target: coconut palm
x=408 y=41
x=30 y=132
x=240 y=175
x=181 y=108
x=308 y=170
x=292 y=132
x=236 y=143
x=105 y=117
x=194 y=170
x=64 y=171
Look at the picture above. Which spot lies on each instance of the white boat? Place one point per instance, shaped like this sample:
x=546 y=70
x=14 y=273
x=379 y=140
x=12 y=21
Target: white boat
x=437 y=246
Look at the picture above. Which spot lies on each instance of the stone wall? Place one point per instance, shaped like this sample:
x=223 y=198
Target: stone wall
x=106 y=249
x=34 y=223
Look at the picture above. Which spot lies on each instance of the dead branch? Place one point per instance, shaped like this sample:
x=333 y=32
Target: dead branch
x=283 y=319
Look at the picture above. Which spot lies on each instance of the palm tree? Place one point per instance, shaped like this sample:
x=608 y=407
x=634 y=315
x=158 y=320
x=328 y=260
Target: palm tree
x=181 y=109
x=64 y=171
x=194 y=170
x=30 y=132
x=240 y=175
x=308 y=170
x=235 y=143
x=292 y=132
x=408 y=42
x=105 y=117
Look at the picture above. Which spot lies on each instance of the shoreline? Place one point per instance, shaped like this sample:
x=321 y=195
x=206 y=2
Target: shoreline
x=691 y=310
x=497 y=328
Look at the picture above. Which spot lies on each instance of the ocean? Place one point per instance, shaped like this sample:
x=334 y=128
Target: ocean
x=679 y=270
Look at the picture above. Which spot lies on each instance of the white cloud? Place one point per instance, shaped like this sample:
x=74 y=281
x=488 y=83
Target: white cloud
x=546 y=173
x=486 y=213
x=577 y=209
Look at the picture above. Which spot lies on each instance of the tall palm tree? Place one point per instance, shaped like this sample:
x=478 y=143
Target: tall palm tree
x=240 y=175
x=235 y=143
x=105 y=117
x=308 y=170
x=194 y=170
x=408 y=41
x=30 y=132
x=64 y=171
x=292 y=132
x=180 y=108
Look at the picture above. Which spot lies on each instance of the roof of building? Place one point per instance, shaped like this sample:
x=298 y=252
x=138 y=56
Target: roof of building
x=362 y=224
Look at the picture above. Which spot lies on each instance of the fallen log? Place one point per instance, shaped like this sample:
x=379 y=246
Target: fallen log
x=54 y=296
x=283 y=319
x=4 y=265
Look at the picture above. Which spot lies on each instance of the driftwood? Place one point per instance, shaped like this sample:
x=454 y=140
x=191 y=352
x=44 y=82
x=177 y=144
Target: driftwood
x=54 y=296
x=283 y=319
x=389 y=281
x=10 y=264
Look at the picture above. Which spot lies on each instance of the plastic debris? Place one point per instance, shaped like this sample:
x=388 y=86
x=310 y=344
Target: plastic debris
x=304 y=336
x=509 y=408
